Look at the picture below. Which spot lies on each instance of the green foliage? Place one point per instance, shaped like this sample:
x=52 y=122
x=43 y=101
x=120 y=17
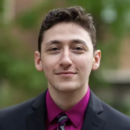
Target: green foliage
x=19 y=71
x=30 y=18
x=1 y=6
x=110 y=54
x=1 y=10
x=102 y=11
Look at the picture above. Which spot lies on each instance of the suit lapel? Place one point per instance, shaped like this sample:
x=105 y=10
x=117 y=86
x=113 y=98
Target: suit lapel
x=93 y=120
x=37 y=116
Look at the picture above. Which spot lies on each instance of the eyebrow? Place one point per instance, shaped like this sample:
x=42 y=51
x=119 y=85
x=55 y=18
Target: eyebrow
x=53 y=42
x=71 y=41
x=78 y=41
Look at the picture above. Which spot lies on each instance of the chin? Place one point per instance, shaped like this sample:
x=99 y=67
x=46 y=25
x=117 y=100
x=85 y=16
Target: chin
x=66 y=88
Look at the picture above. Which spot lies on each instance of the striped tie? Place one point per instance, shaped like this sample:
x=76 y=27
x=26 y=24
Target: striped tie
x=61 y=121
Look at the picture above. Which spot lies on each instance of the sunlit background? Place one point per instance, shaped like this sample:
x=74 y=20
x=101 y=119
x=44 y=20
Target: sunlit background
x=20 y=22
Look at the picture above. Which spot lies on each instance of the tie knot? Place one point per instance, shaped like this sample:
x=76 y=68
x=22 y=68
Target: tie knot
x=61 y=121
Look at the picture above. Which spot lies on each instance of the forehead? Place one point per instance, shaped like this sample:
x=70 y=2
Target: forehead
x=66 y=32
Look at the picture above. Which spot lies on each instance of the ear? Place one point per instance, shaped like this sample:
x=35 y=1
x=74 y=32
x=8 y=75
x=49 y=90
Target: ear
x=38 y=63
x=96 y=60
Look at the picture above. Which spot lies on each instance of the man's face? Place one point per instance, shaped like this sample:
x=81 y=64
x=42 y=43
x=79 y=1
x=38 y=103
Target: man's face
x=67 y=57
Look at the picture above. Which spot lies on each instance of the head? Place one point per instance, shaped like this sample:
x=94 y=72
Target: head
x=75 y=15
x=67 y=49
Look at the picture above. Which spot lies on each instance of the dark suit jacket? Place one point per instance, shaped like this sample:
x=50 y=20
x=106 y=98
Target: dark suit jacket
x=31 y=115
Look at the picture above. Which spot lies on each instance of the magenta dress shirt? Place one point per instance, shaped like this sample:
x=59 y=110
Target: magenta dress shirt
x=75 y=114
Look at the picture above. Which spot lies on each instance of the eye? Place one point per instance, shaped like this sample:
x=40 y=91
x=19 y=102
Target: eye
x=54 y=49
x=78 y=48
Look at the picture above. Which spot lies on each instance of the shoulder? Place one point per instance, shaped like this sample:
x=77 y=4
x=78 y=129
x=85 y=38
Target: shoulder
x=16 y=108
x=114 y=119
x=13 y=116
x=24 y=107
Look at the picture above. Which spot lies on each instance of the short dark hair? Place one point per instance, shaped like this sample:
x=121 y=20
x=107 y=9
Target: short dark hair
x=75 y=14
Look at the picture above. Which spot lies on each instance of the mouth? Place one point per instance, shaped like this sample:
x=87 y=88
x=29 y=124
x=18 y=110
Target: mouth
x=66 y=73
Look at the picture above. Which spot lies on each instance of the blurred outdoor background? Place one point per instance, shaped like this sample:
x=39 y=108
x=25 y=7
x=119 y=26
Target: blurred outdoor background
x=20 y=21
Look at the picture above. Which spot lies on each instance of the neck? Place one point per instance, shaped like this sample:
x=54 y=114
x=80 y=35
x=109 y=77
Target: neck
x=66 y=100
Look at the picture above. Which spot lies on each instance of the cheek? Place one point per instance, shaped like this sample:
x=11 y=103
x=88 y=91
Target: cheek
x=85 y=64
x=47 y=67
x=48 y=64
x=85 y=61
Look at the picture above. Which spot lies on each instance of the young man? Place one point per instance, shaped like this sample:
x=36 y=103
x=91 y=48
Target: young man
x=67 y=54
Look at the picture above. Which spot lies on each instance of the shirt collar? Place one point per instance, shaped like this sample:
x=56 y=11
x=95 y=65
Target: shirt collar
x=52 y=109
x=75 y=114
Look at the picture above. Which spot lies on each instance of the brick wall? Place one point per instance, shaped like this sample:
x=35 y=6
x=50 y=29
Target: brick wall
x=125 y=54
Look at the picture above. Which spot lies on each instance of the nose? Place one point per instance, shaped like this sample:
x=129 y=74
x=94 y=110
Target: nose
x=65 y=60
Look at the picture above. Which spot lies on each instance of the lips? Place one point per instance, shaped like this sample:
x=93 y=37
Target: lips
x=65 y=73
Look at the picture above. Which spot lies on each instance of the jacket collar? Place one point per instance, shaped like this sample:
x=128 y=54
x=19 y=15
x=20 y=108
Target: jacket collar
x=93 y=120
x=37 y=115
